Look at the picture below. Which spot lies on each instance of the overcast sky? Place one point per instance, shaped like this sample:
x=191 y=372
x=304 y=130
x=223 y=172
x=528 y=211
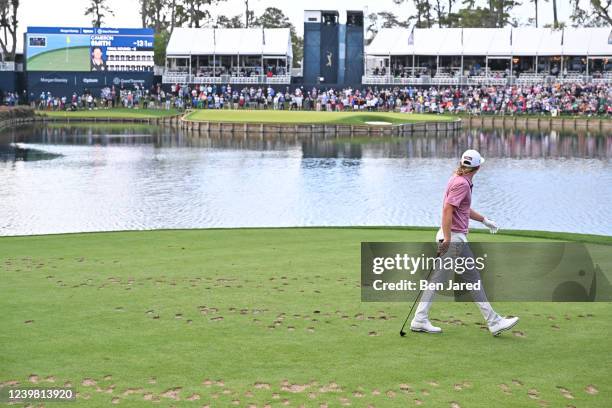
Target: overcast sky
x=71 y=12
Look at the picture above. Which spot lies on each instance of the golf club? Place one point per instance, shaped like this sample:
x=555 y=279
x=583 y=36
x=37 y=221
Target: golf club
x=402 y=332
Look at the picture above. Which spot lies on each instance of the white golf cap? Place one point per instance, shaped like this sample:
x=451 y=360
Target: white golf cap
x=471 y=158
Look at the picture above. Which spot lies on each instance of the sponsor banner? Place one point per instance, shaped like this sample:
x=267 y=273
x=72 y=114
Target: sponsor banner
x=66 y=83
x=90 y=30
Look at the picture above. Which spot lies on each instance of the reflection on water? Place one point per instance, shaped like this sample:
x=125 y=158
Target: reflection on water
x=14 y=152
x=137 y=177
x=491 y=143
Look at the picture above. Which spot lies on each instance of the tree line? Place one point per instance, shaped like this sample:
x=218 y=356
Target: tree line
x=164 y=15
x=488 y=13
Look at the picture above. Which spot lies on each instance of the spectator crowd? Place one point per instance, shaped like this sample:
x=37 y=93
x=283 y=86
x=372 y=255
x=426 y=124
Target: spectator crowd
x=554 y=100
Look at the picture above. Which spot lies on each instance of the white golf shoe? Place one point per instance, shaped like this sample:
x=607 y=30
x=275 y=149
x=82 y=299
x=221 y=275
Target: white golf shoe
x=425 y=327
x=503 y=325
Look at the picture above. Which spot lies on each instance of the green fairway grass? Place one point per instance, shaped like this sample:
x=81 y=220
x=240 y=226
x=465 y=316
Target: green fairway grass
x=295 y=117
x=118 y=113
x=63 y=59
x=194 y=318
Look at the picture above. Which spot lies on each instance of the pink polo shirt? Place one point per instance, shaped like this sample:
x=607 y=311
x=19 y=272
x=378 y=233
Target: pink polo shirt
x=459 y=194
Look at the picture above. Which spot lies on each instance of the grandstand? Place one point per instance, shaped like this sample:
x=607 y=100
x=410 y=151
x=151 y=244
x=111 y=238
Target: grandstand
x=490 y=56
x=229 y=56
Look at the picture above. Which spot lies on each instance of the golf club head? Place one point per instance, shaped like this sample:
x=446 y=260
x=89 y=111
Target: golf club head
x=402 y=333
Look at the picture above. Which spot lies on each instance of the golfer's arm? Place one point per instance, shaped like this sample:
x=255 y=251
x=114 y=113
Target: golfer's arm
x=447 y=220
x=476 y=216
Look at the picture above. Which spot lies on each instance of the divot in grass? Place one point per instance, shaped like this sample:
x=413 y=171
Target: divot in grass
x=533 y=393
x=88 y=382
x=565 y=392
x=193 y=397
x=172 y=393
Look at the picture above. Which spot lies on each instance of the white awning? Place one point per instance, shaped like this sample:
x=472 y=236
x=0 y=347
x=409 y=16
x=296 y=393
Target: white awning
x=527 y=41
x=587 y=41
x=492 y=42
x=437 y=41
x=451 y=41
x=229 y=41
x=180 y=42
x=391 y=41
x=600 y=42
x=277 y=41
x=203 y=41
x=500 y=42
x=477 y=41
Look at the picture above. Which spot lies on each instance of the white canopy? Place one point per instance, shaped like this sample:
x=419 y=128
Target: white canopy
x=437 y=41
x=596 y=40
x=522 y=41
x=229 y=41
x=391 y=41
x=203 y=40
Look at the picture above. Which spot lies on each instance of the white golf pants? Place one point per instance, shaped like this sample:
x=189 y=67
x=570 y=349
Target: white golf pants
x=470 y=275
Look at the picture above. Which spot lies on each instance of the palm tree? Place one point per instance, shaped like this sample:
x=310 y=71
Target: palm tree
x=535 y=3
x=555 y=19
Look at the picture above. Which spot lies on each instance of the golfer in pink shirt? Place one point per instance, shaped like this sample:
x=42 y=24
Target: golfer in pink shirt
x=452 y=239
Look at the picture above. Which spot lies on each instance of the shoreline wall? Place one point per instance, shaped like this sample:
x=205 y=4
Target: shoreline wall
x=170 y=120
x=11 y=116
x=539 y=123
x=319 y=129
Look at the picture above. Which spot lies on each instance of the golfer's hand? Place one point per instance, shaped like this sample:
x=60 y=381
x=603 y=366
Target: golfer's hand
x=491 y=225
x=443 y=247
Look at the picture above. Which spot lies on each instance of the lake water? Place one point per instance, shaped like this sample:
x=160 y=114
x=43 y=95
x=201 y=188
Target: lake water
x=91 y=178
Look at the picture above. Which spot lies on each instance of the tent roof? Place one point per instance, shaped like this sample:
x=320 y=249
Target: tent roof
x=180 y=42
x=393 y=41
x=229 y=41
x=536 y=41
x=596 y=40
x=277 y=41
x=203 y=41
x=492 y=41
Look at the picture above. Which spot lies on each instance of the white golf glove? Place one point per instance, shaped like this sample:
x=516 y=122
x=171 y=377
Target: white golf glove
x=491 y=225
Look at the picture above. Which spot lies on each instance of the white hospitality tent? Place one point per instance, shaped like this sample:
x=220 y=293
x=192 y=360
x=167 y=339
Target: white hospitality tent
x=214 y=51
x=512 y=44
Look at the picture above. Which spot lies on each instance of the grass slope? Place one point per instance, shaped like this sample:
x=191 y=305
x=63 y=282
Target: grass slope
x=120 y=113
x=63 y=59
x=294 y=117
x=272 y=316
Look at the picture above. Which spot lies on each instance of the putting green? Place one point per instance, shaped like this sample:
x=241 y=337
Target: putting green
x=294 y=117
x=258 y=316
x=63 y=59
